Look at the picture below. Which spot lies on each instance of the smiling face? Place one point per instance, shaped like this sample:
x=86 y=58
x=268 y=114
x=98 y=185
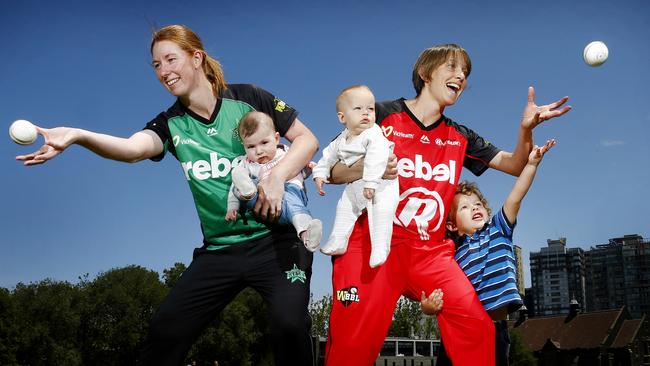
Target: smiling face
x=468 y=214
x=261 y=145
x=356 y=109
x=447 y=81
x=177 y=70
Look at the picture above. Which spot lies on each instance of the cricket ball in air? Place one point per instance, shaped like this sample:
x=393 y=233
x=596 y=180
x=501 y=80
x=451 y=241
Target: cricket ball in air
x=595 y=54
x=23 y=132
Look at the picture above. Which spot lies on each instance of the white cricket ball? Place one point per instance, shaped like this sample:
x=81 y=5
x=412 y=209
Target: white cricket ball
x=595 y=54
x=23 y=132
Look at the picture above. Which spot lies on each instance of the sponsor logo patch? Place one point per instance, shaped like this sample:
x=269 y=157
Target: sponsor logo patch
x=296 y=274
x=178 y=140
x=422 y=169
x=280 y=106
x=404 y=135
x=387 y=130
x=441 y=142
x=422 y=208
x=215 y=167
x=347 y=295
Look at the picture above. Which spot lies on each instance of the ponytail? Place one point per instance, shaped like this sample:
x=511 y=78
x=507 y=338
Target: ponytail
x=214 y=73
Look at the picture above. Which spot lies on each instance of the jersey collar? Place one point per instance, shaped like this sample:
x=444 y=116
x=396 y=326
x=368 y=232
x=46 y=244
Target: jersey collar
x=417 y=121
x=205 y=121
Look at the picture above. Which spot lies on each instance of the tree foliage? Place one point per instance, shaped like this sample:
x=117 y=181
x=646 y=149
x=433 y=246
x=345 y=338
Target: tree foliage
x=8 y=329
x=48 y=319
x=407 y=319
x=237 y=336
x=172 y=274
x=428 y=328
x=520 y=354
x=104 y=321
x=320 y=315
x=94 y=322
x=119 y=304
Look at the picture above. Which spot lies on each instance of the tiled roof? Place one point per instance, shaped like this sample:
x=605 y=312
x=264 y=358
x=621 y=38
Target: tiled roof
x=586 y=331
x=628 y=331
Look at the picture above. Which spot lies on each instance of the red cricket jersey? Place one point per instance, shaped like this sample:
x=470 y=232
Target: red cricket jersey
x=430 y=160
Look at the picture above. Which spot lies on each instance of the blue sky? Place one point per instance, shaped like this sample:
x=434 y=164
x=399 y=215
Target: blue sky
x=87 y=65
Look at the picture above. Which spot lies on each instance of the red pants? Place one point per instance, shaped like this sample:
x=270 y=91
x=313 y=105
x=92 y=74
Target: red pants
x=364 y=299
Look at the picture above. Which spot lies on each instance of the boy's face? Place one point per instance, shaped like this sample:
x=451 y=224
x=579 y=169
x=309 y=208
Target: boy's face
x=447 y=81
x=261 y=146
x=357 y=111
x=468 y=214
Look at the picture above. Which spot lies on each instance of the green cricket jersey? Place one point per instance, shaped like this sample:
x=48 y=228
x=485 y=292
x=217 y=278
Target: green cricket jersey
x=208 y=150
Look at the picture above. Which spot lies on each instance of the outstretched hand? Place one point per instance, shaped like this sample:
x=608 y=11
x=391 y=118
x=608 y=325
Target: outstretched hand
x=534 y=114
x=56 y=140
x=538 y=152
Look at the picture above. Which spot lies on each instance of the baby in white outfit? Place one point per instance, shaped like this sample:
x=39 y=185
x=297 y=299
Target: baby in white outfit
x=362 y=138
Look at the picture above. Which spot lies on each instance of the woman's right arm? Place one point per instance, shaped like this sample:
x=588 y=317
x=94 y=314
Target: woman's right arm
x=141 y=145
x=342 y=173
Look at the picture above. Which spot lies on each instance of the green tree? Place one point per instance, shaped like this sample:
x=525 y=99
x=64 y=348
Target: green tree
x=238 y=336
x=119 y=305
x=320 y=315
x=8 y=329
x=172 y=274
x=407 y=319
x=520 y=354
x=429 y=328
x=48 y=319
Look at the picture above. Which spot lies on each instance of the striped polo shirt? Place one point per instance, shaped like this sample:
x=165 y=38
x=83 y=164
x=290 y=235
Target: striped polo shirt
x=488 y=260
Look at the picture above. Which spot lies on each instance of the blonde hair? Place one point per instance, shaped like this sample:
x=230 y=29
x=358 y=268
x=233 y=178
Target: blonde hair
x=190 y=42
x=342 y=95
x=435 y=56
x=251 y=121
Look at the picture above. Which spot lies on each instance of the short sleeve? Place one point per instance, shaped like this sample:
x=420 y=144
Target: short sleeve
x=283 y=115
x=500 y=222
x=479 y=151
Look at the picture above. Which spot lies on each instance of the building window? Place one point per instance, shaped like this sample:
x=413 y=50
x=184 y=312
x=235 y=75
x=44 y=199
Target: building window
x=405 y=348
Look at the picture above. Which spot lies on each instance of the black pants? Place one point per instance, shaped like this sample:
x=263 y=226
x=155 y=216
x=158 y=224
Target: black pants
x=277 y=266
x=501 y=345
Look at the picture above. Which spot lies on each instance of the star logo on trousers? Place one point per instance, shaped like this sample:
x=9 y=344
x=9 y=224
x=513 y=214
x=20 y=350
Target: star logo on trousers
x=296 y=274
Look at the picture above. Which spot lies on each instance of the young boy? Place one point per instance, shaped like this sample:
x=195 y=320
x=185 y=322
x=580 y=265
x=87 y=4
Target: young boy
x=355 y=107
x=263 y=152
x=485 y=252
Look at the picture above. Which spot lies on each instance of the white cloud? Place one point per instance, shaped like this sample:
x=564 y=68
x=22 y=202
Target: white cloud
x=610 y=143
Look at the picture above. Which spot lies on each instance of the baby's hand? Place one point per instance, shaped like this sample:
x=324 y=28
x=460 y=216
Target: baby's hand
x=231 y=215
x=538 y=152
x=432 y=305
x=369 y=193
x=319 y=185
